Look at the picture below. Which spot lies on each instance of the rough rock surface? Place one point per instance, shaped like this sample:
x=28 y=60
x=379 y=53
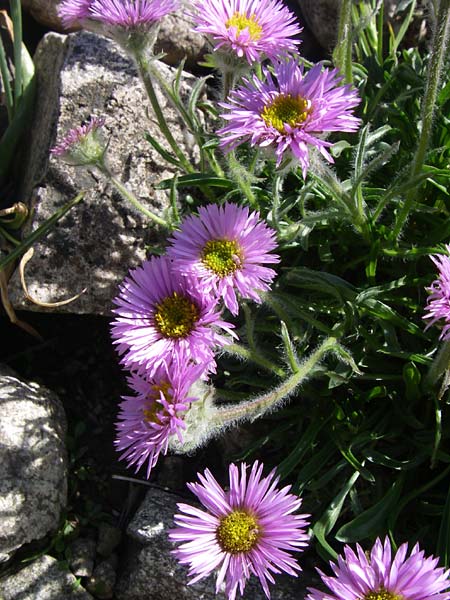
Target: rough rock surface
x=43 y=579
x=33 y=463
x=150 y=566
x=176 y=38
x=100 y=239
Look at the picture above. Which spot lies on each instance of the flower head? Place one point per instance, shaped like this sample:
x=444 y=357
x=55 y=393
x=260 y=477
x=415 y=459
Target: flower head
x=251 y=29
x=161 y=315
x=149 y=419
x=381 y=576
x=438 y=303
x=226 y=247
x=132 y=23
x=249 y=529
x=130 y=14
x=81 y=145
x=291 y=112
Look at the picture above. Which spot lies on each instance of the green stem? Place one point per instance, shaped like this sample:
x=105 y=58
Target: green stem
x=228 y=83
x=143 y=65
x=125 y=193
x=9 y=101
x=255 y=357
x=342 y=54
x=257 y=407
x=437 y=62
x=242 y=178
x=16 y=15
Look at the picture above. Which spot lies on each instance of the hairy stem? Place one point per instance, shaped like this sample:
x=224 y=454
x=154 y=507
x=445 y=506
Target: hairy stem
x=257 y=407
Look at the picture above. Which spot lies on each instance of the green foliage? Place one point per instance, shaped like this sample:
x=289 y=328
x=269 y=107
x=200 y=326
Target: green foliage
x=361 y=435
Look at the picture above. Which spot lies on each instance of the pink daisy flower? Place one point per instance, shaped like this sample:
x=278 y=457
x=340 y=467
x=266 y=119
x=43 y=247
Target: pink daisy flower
x=81 y=145
x=126 y=15
x=227 y=248
x=438 y=303
x=251 y=29
x=249 y=529
x=131 y=13
x=162 y=315
x=290 y=112
x=148 y=420
x=381 y=576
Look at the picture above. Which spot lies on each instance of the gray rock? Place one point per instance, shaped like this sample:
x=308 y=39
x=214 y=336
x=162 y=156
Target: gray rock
x=82 y=556
x=176 y=37
x=178 y=40
x=43 y=579
x=103 y=579
x=100 y=239
x=33 y=462
x=150 y=566
x=108 y=539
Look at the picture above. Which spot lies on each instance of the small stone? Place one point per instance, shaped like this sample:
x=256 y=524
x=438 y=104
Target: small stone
x=33 y=462
x=82 y=556
x=43 y=579
x=103 y=579
x=108 y=539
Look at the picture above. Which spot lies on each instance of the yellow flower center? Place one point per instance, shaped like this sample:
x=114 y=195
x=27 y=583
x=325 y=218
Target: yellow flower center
x=153 y=405
x=286 y=109
x=222 y=257
x=242 y=22
x=237 y=532
x=381 y=594
x=175 y=316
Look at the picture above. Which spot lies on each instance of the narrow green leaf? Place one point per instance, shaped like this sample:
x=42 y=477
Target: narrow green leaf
x=304 y=444
x=371 y=522
x=197 y=179
x=327 y=521
x=166 y=155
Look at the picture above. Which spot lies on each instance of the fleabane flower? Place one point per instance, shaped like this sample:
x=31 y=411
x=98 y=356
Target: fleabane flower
x=132 y=23
x=382 y=575
x=249 y=529
x=438 y=302
x=161 y=314
x=249 y=29
x=155 y=413
x=289 y=112
x=227 y=248
x=73 y=12
x=82 y=145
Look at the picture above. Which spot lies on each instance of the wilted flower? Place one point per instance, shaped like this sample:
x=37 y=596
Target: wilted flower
x=130 y=22
x=148 y=420
x=438 y=303
x=381 y=576
x=251 y=29
x=249 y=529
x=82 y=145
x=291 y=112
x=226 y=247
x=162 y=314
